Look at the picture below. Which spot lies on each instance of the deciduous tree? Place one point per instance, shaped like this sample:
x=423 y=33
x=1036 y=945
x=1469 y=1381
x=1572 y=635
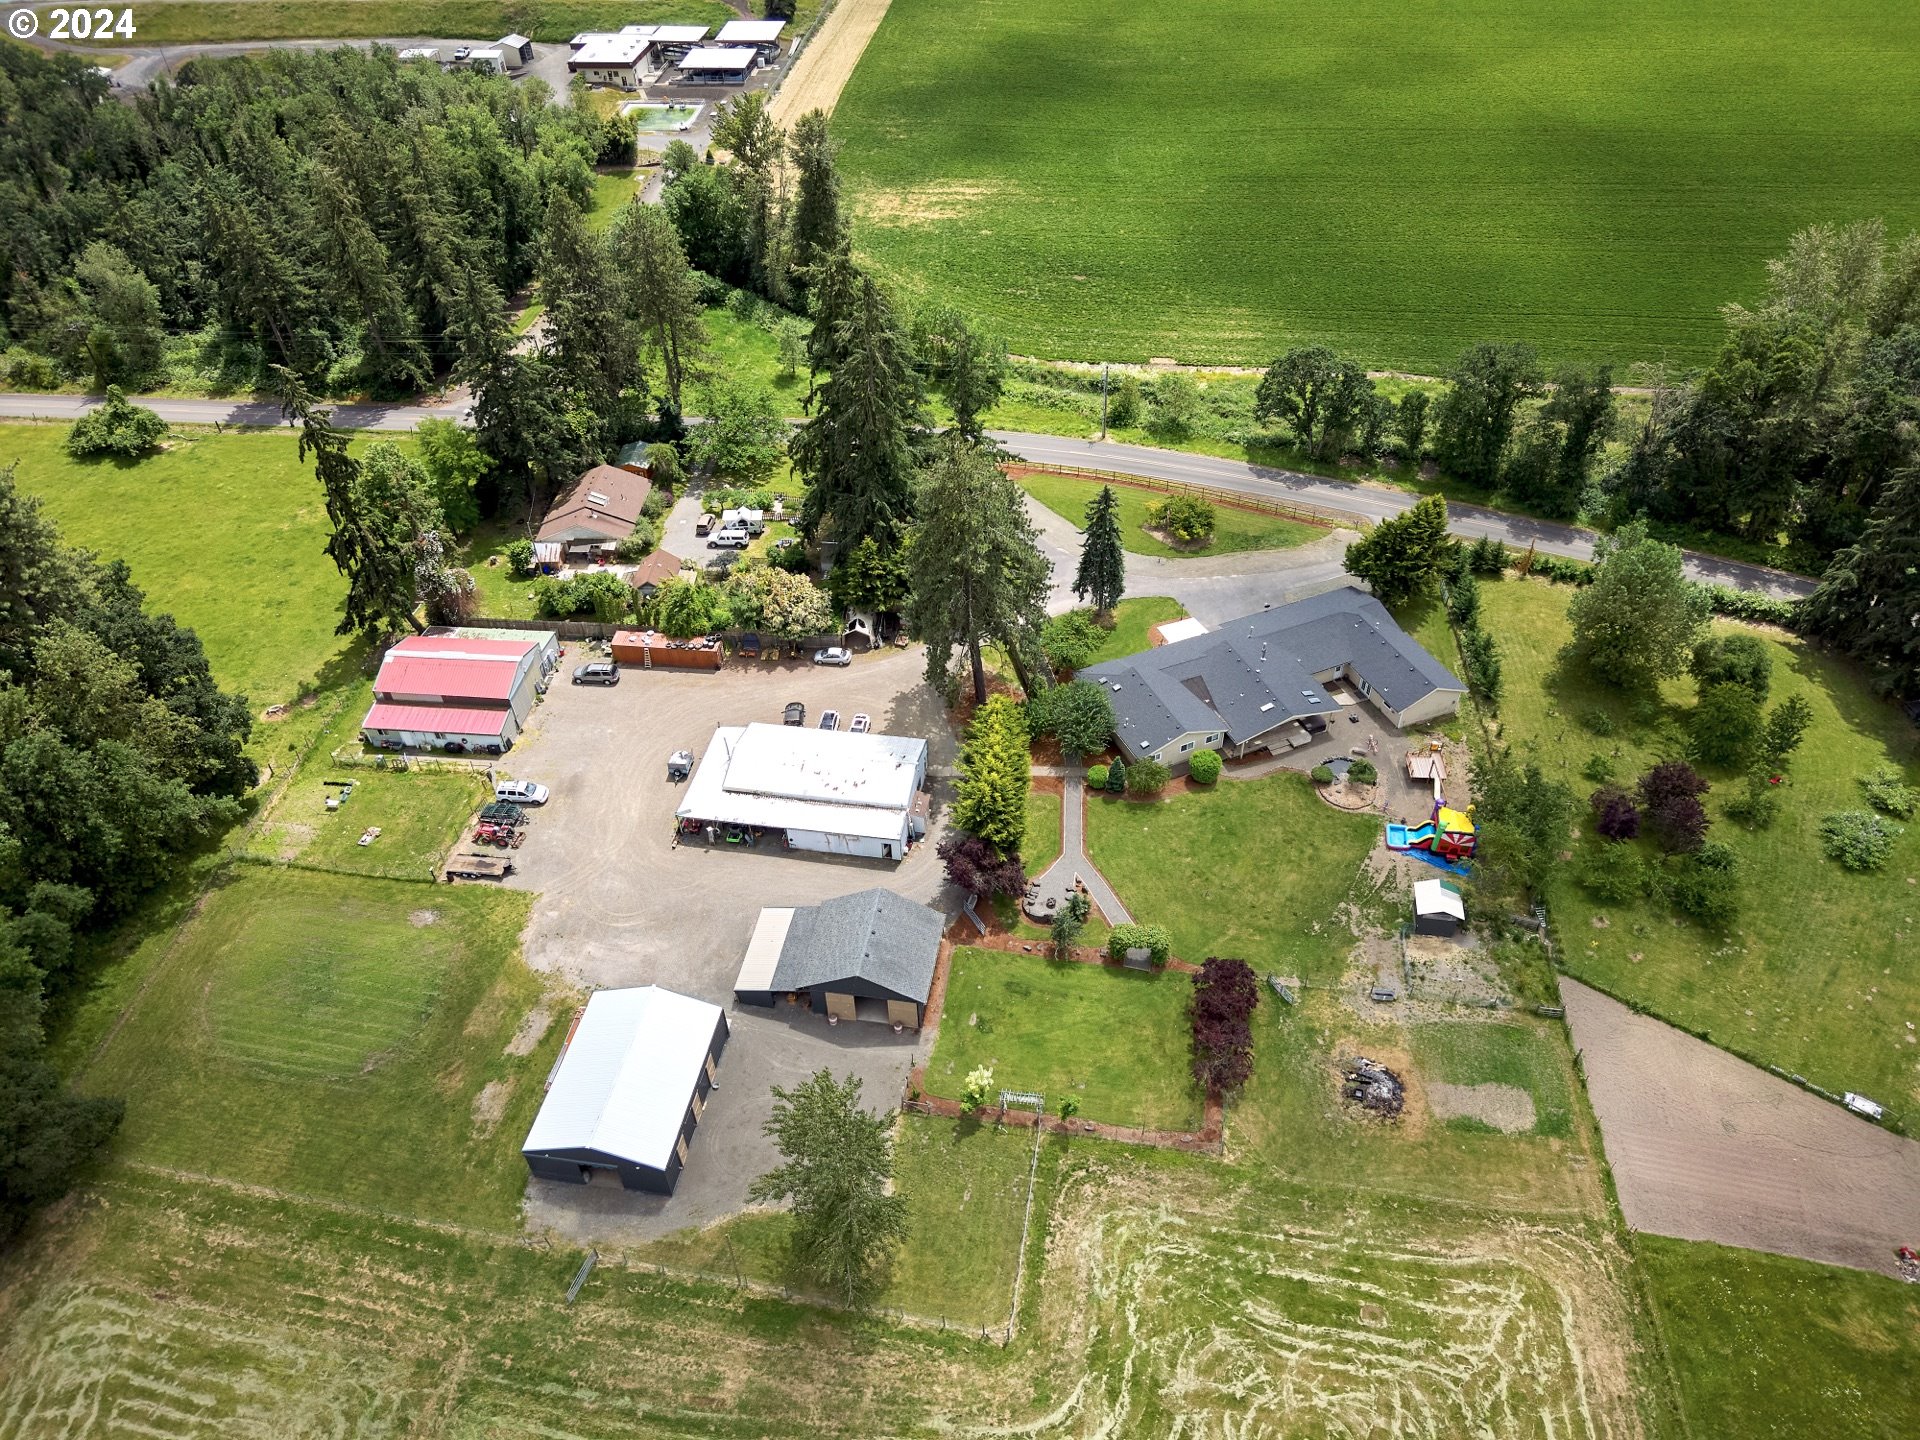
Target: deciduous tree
x=1475 y=417
x=1637 y=622
x=1225 y=995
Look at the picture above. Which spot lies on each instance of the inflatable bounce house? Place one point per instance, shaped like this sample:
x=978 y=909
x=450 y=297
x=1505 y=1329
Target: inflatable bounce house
x=1447 y=836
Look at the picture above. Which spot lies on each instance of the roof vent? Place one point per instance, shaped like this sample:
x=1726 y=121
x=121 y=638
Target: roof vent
x=1266 y=707
x=594 y=497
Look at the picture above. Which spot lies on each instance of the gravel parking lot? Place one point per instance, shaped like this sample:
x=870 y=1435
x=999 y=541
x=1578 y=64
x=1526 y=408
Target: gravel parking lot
x=621 y=904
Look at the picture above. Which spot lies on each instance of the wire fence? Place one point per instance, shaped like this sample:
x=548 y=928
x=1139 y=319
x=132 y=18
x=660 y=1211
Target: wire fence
x=1234 y=499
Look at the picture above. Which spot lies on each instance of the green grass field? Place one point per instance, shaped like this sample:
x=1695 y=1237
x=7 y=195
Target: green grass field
x=225 y=532
x=1396 y=184
x=1807 y=976
x=1132 y=619
x=1051 y=1027
x=1495 y=1053
x=1042 y=845
x=1252 y=869
x=1234 y=530
x=1768 y=1348
x=333 y=1036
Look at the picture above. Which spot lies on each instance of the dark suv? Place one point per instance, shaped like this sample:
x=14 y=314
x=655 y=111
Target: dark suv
x=597 y=672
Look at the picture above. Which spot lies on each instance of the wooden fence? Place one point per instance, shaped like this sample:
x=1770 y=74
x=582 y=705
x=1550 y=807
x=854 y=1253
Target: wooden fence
x=1235 y=499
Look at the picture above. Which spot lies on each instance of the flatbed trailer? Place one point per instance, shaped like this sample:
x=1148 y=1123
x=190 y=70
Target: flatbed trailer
x=479 y=867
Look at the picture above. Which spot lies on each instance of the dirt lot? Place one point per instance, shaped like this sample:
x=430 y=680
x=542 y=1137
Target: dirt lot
x=825 y=66
x=621 y=904
x=1707 y=1147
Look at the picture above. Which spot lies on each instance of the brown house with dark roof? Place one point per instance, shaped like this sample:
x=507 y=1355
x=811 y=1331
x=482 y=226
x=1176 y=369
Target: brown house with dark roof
x=596 y=514
x=655 y=570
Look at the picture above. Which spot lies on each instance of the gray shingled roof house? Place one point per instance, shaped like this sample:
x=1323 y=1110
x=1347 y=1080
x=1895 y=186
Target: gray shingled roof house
x=1251 y=683
x=866 y=956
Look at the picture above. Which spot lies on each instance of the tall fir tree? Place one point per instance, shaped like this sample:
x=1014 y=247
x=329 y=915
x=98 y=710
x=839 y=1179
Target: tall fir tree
x=661 y=290
x=1102 y=576
x=1401 y=558
x=1868 y=602
x=818 y=227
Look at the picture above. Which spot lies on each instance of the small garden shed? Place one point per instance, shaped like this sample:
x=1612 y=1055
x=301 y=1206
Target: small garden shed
x=1437 y=908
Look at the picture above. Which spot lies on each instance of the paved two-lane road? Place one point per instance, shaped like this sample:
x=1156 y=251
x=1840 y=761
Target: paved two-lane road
x=1373 y=502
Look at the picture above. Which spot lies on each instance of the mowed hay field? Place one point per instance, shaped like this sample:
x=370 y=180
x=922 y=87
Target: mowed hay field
x=1211 y=183
x=334 y=1036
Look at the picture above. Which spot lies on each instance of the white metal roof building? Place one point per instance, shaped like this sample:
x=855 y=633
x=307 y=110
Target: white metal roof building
x=825 y=790
x=629 y=1089
x=750 y=32
x=1437 y=907
x=713 y=62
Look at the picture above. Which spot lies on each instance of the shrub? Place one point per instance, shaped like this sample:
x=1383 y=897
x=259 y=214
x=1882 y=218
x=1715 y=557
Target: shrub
x=604 y=596
x=1615 y=816
x=1147 y=777
x=1786 y=726
x=1123 y=405
x=1704 y=884
x=1742 y=660
x=1616 y=874
x=978 y=868
x=1487 y=556
x=1599 y=722
x=978 y=1086
x=990 y=796
x=1134 y=936
x=117 y=427
x=25 y=370
x=639 y=543
x=1078 y=714
x=1185 y=517
x=1068 y=922
x=1887 y=791
x=1463 y=601
x=1758 y=803
x=1072 y=640
x=1117 y=777
x=790 y=558
x=1725 y=725
x=1671 y=793
x=1205 y=766
x=1858 y=839
x=519 y=555
x=659 y=501
x=1225 y=993
x=1362 y=772
x=1096 y=777
x=1598 y=769
x=1322 y=775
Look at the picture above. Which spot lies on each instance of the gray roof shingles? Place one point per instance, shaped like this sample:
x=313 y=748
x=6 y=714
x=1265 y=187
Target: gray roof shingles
x=873 y=935
x=1259 y=669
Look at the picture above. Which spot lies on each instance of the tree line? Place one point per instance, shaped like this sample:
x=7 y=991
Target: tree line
x=332 y=211
x=118 y=751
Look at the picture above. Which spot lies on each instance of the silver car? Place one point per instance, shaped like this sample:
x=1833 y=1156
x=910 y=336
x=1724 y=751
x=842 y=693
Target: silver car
x=833 y=655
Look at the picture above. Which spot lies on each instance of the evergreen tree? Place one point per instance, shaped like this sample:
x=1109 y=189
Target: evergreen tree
x=978 y=574
x=857 y=451
x=818 y=225
x=975 y=374
x=1869 y=597
x=1401 y=557
x=837 y=1175
x=990 y=795
x=592 y=339
x=662 y=292
x=1102 y=576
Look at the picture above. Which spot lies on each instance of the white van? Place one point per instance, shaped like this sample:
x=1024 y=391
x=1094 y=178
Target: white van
x=729 y=537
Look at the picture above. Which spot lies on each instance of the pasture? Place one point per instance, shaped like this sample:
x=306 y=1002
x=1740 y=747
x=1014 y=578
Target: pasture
x=335 y=1036
x=1215 y=183
x=1807 y=976
x=225 y=532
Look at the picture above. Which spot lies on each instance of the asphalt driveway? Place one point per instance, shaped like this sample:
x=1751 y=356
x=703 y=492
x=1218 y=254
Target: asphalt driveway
x=620 y=903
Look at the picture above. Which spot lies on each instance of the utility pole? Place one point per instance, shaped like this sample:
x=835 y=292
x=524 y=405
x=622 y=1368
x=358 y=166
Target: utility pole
x=1103 y=402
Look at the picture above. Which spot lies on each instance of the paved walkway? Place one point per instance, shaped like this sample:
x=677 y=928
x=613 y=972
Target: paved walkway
x=1074 y=862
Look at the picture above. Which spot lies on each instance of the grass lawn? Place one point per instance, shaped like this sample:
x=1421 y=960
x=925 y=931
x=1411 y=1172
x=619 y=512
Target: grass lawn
x=1042 y=846
x=1048 y=1027
x=419 y=815
x=1234 y=530
x=1769 y=1348
x=746 y=352
x=966 y=1189
x=333 y=1035
x=1253 y=869
x=611 y=192
x=1806 y=977
x=225 y=532
x=1470 y=1052
x=1131 y=621
x=497 y=594
x=1597 y=185
x=176 y=21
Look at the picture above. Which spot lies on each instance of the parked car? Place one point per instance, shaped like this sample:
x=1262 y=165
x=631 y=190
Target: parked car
x=786 y=544
x=597 y=672
x=833 y=655
x=1312 y=724
x=829 y=719
x=679 y=765
x=862 y=723
x=520 y=792
x=795 y=714
x=462 y=53
x=704 y=525
x=734 y=537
